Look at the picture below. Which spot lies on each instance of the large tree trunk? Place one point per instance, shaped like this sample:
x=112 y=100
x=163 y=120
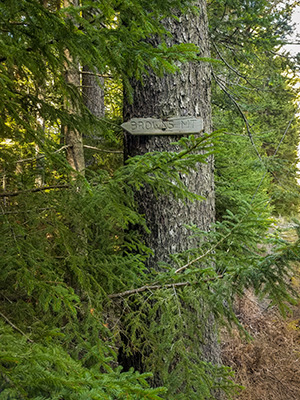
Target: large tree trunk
x=185 y=94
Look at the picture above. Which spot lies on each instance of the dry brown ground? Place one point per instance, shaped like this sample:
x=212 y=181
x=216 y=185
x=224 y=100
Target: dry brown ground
x=268 y=366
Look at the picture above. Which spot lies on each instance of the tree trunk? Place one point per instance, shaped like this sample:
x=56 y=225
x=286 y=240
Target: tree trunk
x=72 y=137
x=93 y=98
x=184 y=94
x=93 y=93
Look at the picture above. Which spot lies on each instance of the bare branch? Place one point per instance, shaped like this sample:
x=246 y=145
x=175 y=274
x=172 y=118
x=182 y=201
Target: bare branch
x=241 y=113
x=148 y=287
x=102 y=150
x=42 y=155
x=15 y=327
x=157 y=287
x=27 y=211
x=230 y=66
x=54 y=187
x=99 y=75
x=281 y=140
x=205 y=254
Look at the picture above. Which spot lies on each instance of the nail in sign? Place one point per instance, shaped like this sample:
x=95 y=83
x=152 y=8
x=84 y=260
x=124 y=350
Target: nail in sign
x=169 y=126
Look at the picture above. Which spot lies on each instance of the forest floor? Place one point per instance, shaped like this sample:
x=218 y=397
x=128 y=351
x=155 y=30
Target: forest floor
x=268 y=365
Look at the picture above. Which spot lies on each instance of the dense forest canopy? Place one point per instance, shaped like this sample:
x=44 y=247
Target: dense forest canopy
x=73 y=276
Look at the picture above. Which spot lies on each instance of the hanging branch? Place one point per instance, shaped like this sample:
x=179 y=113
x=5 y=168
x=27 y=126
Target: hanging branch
x=283 y=136
x=222 y=87
x=230 y=66
x=241 y=113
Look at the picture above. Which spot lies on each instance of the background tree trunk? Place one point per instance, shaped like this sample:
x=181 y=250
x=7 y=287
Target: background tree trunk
x=72 y=137
x=93 y=93
x=93 y=98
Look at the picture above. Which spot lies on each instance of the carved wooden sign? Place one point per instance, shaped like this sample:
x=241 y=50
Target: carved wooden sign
x=168 y=126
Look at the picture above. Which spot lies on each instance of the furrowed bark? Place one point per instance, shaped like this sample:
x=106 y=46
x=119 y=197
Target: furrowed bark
x=186 y=93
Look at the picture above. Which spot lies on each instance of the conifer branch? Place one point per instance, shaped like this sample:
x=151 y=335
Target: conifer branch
x=213 y=247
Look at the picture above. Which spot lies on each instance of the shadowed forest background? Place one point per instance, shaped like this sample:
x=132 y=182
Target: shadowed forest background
x=92 y=304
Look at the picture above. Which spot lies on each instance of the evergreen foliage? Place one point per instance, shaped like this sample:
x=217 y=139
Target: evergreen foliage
x=255 y=100
x=69 y=255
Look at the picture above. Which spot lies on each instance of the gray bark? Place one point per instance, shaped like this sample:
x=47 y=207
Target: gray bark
x=93 y=93
x=185 y=94
x=93 y=98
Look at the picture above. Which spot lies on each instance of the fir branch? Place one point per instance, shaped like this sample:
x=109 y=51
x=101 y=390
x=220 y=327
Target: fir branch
x=182 y=154
x=209 y=251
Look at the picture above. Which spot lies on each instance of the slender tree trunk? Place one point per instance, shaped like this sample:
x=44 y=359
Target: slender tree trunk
x=93 y=98
x=184 y=94
x=92 y=83
x=73 y=138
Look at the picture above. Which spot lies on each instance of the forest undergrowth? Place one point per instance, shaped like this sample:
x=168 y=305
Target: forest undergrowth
x=267 y=365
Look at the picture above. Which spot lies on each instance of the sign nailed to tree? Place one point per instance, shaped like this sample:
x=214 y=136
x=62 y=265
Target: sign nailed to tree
x=168 y=126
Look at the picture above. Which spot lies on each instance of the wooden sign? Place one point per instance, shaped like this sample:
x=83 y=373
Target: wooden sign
x=168 y=126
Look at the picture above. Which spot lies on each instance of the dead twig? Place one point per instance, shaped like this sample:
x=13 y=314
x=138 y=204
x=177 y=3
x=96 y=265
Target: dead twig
x=15 y=327
x=39 y=189
x=157 y=287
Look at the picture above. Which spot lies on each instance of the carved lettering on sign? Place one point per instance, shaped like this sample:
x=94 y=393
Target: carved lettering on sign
x=170 y=126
